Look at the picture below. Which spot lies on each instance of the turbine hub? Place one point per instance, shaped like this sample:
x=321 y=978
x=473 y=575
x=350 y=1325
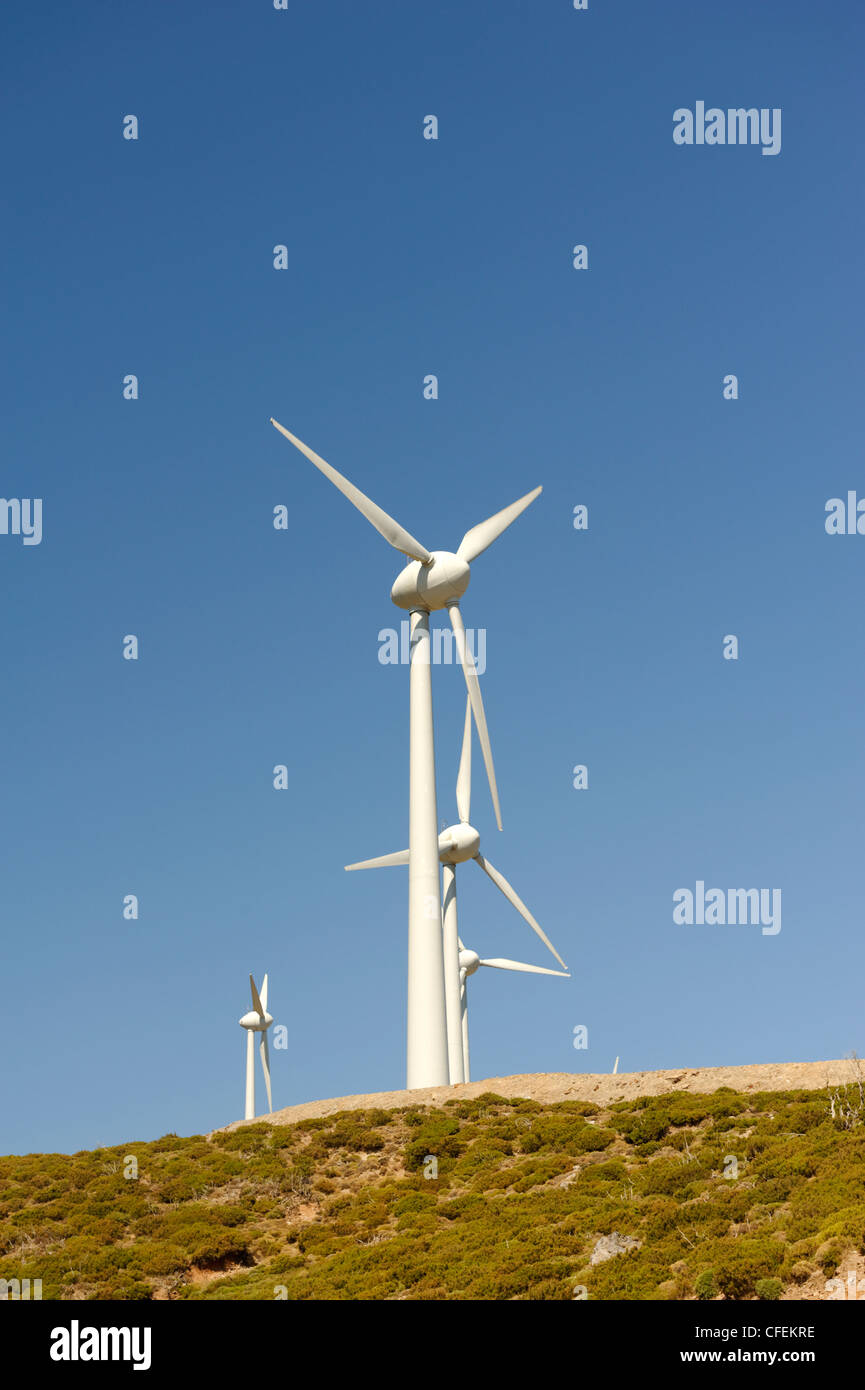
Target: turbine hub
x=431 y=586
x=458 y=844
x=255 y=1022
x=469 y=961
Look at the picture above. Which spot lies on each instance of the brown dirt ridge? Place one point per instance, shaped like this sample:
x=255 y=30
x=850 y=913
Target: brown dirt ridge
x=603 y=1088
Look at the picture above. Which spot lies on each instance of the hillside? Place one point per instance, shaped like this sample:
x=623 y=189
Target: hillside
x=600 y=1087
x=660 y=1186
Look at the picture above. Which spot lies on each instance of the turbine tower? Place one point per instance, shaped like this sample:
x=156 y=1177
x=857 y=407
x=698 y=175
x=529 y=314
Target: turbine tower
x=432 y=580
x=469 y=963
x=258 y=1020
x=456 y=845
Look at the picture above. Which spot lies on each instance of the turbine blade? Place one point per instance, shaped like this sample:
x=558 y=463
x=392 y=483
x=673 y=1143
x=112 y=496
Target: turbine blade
x=475 y=541
x=393 y=533
x=464 y=776
x=264 y=994
x=499 y=963
x=501 y=882
x=384 y=862
x=256 y=1001
x=474 y=689
x=265 y=1063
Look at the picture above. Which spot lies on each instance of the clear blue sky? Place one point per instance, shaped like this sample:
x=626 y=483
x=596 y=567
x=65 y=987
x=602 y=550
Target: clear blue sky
x=259 y=647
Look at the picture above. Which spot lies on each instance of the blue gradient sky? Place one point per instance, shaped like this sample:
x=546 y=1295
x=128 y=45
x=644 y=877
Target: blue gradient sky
x=259 y=647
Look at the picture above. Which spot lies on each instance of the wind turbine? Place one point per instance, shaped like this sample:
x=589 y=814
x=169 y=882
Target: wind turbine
x=469 y=963
x=258 y=1020
x=432 y=580
x=456 y=845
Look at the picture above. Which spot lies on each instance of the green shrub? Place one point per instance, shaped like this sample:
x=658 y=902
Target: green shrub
x=438 y=1136
x=207 y=1248
x=672 y=1177
x=376 y=1118
x=740 y=1266
x=415 y=1201
x=768 y=1288
x=706 y=1285
x=150 y=1257
x=647 y=1127
x=480 y=1157
x=830 y=1258
x=125 y=1288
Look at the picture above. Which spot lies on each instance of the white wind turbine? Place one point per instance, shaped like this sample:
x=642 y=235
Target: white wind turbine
x=431 y=581
x=469 y=963
x=457 y=844
x=258 y=1020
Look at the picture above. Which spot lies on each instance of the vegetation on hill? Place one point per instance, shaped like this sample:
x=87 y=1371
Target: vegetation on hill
x=726 y=1194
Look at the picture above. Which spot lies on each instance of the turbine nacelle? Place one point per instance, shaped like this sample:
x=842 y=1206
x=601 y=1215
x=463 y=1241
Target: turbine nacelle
x=458 y=844
x=443 y=580
x=469 y=962
x=256 y=1022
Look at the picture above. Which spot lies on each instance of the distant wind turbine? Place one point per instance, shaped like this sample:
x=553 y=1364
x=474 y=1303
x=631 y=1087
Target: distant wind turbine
x=258 y=1020
x=469 y=963
x=457 y=844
